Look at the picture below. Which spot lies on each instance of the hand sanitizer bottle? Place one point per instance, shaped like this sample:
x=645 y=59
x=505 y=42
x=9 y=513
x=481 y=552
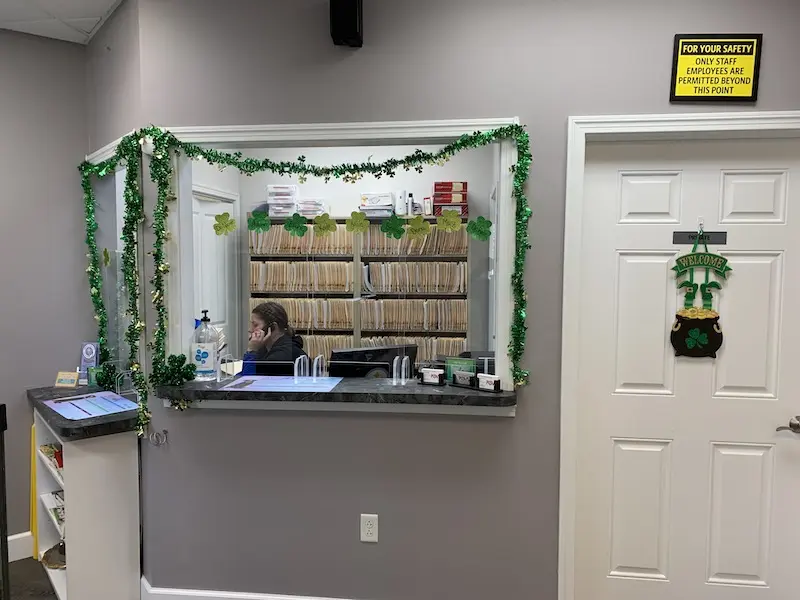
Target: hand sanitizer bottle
x=205 y=346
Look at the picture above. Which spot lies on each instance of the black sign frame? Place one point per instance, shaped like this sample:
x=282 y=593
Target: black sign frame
x=751 y=99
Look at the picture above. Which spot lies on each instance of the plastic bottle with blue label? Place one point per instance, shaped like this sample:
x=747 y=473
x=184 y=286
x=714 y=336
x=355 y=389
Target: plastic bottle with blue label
x=205 y=346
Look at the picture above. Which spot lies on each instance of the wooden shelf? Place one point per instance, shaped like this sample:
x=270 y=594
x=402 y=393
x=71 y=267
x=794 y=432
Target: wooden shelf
x=416 y=295
x=51 y=468
x=373 y=221
x=322 y=331
x=295 y=294
x=380 y=332
x=58 y=579
x=59 y=526
x=349 y=257
x=301 y=257
x=322 y=295
x=411 y=333
x=416 y=258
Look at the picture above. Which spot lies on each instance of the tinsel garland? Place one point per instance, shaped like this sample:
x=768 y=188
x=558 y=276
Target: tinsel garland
x=161 y=174
x=93 y=269
x=173 y=369
x=133 y=218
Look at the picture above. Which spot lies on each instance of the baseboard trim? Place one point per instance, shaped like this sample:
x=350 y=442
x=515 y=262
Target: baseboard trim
x=20 y=545
x=153 y=593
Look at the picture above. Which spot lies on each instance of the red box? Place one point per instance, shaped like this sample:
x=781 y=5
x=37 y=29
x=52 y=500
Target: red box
x=462 y=209
x=450 y=198
x=450 y=186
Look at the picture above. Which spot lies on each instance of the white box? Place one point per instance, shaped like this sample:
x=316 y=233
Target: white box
x=380 y=200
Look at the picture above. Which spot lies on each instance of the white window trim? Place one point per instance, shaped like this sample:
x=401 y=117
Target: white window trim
x=581 y=131
x=376 y=133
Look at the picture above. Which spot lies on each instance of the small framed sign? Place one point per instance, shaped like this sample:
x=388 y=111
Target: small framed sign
x=68 y=379
x=715 y=67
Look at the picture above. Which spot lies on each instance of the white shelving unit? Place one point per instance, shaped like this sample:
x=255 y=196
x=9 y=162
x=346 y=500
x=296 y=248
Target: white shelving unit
x=100 y=481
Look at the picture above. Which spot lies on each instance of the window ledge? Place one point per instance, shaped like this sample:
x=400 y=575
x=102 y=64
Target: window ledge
x=351 y=395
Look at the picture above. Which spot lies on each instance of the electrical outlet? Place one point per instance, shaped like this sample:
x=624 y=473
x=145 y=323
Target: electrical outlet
x=369 y=528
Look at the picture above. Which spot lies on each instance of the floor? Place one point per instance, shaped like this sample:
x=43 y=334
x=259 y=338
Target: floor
x=28 y=581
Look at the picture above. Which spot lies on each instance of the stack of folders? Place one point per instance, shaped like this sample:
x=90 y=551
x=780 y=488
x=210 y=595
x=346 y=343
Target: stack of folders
x=281 y=200
x=377 y=243
x=311 y=207
x=418 y=277
x=315 y=313
x=314 y=345
x=414 y=315
x=428 y=348
x=305 y=276
x=276 y=240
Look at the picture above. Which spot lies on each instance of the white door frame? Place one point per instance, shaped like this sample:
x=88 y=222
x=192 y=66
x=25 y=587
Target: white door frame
x=583 y=130
x=348 y=134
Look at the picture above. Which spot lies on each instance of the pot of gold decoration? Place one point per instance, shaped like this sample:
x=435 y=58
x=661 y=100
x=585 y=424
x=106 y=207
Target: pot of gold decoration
x=696 y=331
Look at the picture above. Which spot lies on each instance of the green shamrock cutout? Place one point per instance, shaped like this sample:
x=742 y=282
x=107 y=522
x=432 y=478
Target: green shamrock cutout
x=324 y=225
x=480 y=229
x=393 y=227
x=296 y=225
x=450 y=221
x=418 y=228
x=259 y=221
x=224 y=224
x=696 y=339
x=357 y=223
x=106 y=257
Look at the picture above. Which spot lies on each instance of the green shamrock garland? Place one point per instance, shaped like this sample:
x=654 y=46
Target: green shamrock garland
x=259 y=221
x=449 y=221
x=224 y=224
x=418 y=228
x=357 y=223
x=324 y=225
x=480 y=229
x=296 y=225
x=393 y=227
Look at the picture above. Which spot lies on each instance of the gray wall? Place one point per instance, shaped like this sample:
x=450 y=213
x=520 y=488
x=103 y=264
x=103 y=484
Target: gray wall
x=45 y=310
x=469 y=508
x=113 y=79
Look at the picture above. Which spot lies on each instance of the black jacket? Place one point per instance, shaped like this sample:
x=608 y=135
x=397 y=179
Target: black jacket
x=283 y=353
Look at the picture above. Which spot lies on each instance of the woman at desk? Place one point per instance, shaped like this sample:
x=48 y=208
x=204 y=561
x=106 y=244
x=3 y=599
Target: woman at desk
x=272 y=340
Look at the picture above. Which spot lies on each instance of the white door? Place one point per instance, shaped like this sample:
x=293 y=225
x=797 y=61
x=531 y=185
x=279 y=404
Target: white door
x=216 y=268
x=685 y=491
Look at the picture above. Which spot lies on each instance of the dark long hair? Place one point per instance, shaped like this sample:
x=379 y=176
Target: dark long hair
x=274 y=315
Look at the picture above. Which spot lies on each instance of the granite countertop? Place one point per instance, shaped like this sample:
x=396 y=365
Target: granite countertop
x=69 y=430
x=350 y=389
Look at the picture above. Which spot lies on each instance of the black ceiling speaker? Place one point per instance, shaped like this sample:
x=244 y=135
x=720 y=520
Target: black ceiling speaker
x=347 y=25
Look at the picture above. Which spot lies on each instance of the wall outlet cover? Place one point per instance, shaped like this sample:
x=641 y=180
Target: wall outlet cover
x=369 y=528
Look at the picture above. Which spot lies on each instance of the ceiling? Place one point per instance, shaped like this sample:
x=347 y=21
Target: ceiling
x=69 y=20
